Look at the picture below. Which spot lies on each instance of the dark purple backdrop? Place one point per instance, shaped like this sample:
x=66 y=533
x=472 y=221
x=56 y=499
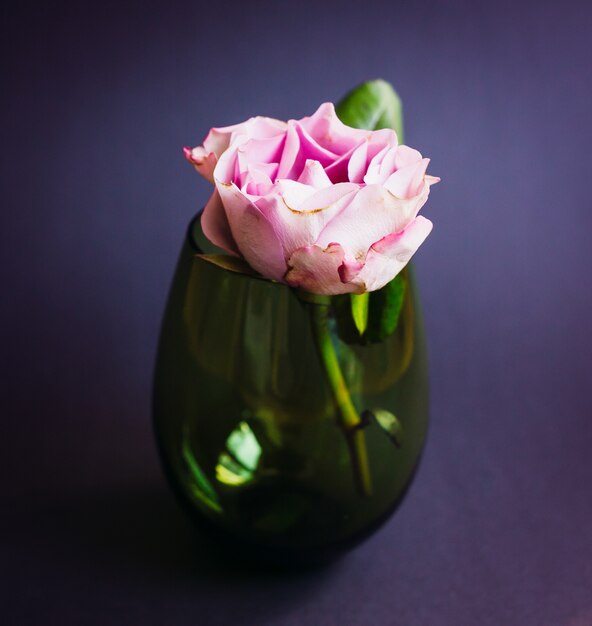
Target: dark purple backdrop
x=97 y=102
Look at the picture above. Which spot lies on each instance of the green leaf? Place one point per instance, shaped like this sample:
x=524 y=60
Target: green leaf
x=371 y=106
x=346 y=327
x=384 y=309
x=359 y=309
x=229 y=263
x=370 y=317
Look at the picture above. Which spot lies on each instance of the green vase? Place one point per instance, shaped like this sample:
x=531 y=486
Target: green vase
x=250 y=429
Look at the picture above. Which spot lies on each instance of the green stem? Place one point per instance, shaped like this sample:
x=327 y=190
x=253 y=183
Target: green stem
x=350 y=420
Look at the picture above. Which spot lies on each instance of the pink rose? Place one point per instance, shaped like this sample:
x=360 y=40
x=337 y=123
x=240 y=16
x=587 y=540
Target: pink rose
x=314 y=203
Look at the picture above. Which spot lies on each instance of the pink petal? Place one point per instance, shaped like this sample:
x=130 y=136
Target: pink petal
x=293 y=193
x=258 y=179
x=300 y=147
x=373 y=212
x=349 y=269
x=202 y=161
x=253 y=233
x=316 y=270
x=406 y=156
x=218 y=139
x=328 y=131
x=373 y=153
x=215 y=226
x=383 y=137
x=409 y=180
x=338 y=170
x=314 y=175
x=227 y=169
x=373 y=173
x=299 y=213
x=333 y=199
x=388 y=256
x=265 y=127
x=387 y=165
x=261 y=151
x=290 y=153
x=310 y=150
x=356 y=168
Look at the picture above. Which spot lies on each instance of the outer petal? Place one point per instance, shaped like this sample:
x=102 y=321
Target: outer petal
x=372 y=214
x=298 y=213
x=202 y=161
x=387 y=257
x=316 y=269
x=252 y=232
x=204 y=158
x=215 y=226
x=218 y=139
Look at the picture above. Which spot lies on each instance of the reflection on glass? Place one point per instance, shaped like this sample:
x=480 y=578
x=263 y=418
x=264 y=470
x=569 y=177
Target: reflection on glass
x=236 y=466
x=201 y=489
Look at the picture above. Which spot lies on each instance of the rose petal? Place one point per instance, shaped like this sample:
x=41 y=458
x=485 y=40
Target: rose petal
x=293 y=193
x=202 y=161
x=254 y=235
x=316 y=269
x=258 y=151
x=227 y=169
x=387 y=257
x=265 y=127
x=373 y=212
x=314 y=175
x=338 y=170
x=381 y=149
x=406 y=156
x=328 y=131
x=387 y=165
x=300 y=147
x=215 y=226
x=258 y=179
x=290 y=153
x=409 y=180
x=219 y=139
x=356 y=168
x=299 y=213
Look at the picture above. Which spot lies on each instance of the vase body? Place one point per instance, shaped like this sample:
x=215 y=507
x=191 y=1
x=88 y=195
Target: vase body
x=247 y=423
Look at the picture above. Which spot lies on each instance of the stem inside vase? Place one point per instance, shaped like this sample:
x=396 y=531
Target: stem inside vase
x=349 y=419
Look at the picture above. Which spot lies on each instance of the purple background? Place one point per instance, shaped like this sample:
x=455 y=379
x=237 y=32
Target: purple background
x=97 y=103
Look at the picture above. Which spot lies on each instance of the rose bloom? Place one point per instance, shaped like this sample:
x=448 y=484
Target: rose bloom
x=314 y=203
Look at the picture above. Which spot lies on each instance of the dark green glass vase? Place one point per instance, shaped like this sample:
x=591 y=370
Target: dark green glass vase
x=249 y=426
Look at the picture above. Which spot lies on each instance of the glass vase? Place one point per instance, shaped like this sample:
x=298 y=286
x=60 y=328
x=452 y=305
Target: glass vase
x=250 y=425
